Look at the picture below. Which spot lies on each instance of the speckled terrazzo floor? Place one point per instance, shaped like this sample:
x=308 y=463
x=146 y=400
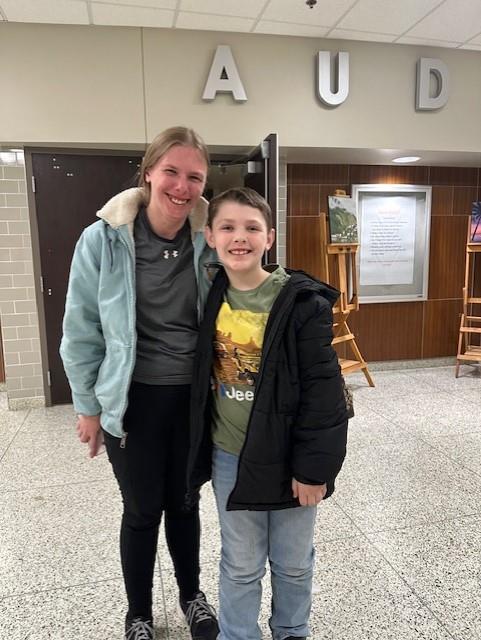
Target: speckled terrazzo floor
x=398 y=546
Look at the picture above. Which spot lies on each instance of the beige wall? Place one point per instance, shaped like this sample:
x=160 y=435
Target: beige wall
x=103 y=86
x=115 y=87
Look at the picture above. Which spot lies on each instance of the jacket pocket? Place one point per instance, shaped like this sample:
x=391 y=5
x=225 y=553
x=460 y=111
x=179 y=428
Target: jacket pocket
x=113 y=378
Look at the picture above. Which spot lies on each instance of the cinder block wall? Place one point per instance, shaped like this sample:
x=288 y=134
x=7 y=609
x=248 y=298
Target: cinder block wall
x=18 y=308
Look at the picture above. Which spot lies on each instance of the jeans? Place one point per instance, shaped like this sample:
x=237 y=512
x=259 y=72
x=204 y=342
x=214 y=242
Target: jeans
x=285 y=537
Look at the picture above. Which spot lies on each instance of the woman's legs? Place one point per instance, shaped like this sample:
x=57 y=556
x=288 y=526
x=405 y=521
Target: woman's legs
x=150 y=471
x=182 y=525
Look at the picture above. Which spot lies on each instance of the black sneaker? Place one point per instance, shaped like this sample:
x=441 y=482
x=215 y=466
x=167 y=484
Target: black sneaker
x=139 y=628
x=201 y=617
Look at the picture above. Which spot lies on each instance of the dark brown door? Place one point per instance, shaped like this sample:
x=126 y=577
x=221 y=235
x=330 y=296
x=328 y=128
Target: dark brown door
x=69 y=189
x=263 y=176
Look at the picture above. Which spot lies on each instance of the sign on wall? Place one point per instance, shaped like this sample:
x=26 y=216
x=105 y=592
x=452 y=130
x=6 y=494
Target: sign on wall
x=332 y=79
x=393 y=259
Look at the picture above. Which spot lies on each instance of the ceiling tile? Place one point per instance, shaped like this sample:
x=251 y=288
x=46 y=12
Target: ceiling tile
x=213 y=23
x=453 y=21
x=395 y=16
x=58 y=12
x=427 y=42
x=244 y=9
x=325 y=13
x=287 y=29
x=350 y=34
x=108 y=14
x=146 y=4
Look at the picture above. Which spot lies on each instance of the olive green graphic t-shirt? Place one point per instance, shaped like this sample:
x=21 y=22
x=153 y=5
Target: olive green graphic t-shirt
x=240 y=327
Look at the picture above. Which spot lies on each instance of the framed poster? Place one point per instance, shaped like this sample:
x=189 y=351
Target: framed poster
x=393 y=259
x=342 y=220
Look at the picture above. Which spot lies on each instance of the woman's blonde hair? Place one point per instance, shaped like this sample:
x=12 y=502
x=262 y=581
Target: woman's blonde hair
x=167 y=139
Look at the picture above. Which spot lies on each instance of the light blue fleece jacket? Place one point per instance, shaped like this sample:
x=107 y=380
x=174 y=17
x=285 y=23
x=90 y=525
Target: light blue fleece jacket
x=99 y=326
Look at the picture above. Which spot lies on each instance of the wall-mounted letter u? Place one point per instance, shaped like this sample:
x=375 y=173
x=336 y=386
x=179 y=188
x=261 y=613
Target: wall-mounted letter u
x=325 y=87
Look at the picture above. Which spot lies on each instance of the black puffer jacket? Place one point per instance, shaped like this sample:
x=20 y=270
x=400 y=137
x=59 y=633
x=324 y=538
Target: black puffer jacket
x=298 y=422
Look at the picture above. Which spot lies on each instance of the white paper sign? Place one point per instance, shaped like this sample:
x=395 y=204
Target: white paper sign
x=388 y=235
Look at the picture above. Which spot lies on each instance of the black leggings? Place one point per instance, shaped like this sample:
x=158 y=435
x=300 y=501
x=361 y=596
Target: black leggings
x=151 y=471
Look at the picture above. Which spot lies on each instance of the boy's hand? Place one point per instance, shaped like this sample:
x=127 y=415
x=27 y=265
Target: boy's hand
x=308 y=494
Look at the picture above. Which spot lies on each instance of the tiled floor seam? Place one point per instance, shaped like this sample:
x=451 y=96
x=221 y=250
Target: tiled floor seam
x=415 y=593
x=164 y=604
x=49 y=486
x=450 y=458
x=419 y=525
x=36 y=592
x=15 y=435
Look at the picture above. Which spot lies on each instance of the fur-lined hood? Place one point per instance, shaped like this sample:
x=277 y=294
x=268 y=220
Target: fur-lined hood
x=124 y=207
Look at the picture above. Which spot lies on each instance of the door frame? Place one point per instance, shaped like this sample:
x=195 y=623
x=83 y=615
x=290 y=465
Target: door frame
x=35 y=237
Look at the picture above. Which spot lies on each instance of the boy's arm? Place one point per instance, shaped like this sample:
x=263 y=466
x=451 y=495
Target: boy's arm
x=320 y=430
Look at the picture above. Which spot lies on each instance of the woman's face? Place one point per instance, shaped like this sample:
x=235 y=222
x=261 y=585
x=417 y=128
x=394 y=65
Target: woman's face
x=176 y=181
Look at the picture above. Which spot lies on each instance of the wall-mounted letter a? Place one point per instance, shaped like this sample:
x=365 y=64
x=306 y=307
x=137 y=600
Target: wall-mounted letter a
x=224 y=77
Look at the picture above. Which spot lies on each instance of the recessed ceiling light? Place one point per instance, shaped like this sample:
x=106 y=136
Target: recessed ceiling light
x=406 y=159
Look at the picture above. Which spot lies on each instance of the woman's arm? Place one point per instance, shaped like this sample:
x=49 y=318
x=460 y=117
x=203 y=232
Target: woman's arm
x=83 y=347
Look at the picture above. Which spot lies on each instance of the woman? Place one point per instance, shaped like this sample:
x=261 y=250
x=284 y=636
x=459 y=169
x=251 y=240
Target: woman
x=136 y=293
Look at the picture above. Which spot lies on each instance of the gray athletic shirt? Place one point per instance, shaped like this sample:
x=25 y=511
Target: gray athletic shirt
x=166 y=305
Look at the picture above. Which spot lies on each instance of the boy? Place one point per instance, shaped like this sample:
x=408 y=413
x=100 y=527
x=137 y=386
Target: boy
x=271 y=428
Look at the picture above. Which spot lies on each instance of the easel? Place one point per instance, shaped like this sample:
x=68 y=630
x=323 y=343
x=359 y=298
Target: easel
x=468 y=352
x=343 y=259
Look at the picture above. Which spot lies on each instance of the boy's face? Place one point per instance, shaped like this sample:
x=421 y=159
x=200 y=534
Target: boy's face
x=239 y=234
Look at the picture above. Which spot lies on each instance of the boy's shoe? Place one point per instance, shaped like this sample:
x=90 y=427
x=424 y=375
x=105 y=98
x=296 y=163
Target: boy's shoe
x=139 y=628
x=200 y=617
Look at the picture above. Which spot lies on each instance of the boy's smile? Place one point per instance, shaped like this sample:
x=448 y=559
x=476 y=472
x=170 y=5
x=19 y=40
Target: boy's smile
x=239 y=234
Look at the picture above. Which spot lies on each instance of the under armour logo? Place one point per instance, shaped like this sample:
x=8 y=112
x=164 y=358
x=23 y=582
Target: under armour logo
x=166 y=255
x=175 y=254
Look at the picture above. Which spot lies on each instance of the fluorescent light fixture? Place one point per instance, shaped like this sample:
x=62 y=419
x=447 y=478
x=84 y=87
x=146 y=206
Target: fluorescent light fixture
x=12 y=156
x=406 y=159
x=8 y=157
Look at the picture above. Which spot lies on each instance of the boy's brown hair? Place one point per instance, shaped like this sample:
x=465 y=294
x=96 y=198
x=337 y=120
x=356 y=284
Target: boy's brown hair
x=241 y=195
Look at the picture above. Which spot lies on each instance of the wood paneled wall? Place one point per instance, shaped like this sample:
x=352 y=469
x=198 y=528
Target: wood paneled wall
x=404 y=330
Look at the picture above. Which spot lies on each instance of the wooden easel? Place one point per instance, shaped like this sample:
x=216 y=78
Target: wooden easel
x=470 y=323
x=344 y=276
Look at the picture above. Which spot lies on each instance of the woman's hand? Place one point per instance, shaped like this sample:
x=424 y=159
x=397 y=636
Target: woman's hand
x=308 y=494
x=89 y=431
